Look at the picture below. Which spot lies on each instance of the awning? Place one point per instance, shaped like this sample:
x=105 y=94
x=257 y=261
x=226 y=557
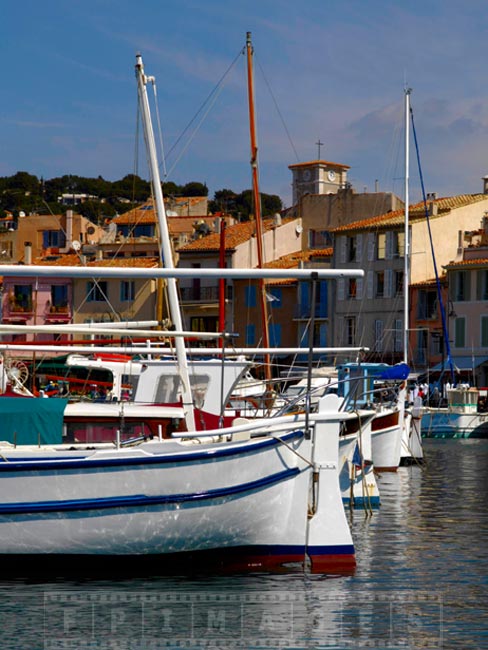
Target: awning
x=461 y=364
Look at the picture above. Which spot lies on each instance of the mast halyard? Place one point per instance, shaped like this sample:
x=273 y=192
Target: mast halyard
x=167 y=253
x=257 y=204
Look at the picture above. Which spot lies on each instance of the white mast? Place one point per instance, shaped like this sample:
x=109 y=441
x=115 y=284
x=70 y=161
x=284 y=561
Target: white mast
x=406 y=254
x=167 y=253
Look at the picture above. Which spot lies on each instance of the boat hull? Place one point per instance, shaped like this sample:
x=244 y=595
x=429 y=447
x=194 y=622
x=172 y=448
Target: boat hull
x=386 y=434
x=443 y=423
x=247 y=499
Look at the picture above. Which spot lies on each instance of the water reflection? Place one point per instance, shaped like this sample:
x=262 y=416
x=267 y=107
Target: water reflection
x=421 y=581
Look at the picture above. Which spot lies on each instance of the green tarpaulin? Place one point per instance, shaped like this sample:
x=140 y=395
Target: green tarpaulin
x=30 y=421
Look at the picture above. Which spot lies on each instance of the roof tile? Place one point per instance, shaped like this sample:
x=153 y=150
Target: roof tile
x=416 y=213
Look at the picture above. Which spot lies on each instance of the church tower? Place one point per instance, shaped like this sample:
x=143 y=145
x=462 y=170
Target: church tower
x=317 y=177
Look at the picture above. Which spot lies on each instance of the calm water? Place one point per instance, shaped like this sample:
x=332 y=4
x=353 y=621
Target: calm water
x=421 y=582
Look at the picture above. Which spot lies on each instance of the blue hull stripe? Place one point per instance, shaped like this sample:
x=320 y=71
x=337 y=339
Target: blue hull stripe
x=50 y=463
x=143 y=501
x=343 y=549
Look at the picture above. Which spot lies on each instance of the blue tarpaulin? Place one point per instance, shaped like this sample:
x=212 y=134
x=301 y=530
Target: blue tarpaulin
x=399 y=371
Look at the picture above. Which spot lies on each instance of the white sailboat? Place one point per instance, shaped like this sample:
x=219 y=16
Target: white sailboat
x=411 y=441
x=260 y=492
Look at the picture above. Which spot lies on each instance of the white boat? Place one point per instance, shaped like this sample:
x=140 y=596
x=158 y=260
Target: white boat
x=381 y=388
x=271 y=498
x=459 y=419
x=260 y=492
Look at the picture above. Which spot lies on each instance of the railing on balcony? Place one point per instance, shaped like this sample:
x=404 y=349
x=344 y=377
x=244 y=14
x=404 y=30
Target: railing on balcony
x=203 y=294
x=20 y=307
x=59 y=309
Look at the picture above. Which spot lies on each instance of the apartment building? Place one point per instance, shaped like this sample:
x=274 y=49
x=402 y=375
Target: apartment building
x=370 y=312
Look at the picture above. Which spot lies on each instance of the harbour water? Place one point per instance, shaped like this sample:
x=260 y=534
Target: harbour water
x=421 y=582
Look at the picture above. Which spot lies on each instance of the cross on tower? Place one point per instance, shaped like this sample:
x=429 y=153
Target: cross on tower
x=319 y=144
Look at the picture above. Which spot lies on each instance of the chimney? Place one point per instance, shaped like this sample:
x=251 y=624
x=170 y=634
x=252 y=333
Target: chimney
x=433 y=208
x=277 y=219
x=485 y=184
x=27 y=252
x=69 y=229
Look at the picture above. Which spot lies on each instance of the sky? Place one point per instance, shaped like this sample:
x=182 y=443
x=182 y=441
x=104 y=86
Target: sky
x=325 y=71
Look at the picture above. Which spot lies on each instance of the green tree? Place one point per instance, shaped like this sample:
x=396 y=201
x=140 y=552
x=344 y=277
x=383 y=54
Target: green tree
x=195 y=189
x=242 y=205
x=24 y=181
x=132 y=187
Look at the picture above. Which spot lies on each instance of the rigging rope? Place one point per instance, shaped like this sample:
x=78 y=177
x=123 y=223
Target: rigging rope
x=212 y=98
x=437 y=280
x=279 y=112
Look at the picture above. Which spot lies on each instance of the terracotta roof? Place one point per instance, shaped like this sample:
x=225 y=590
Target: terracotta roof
x=416 y=213
x=184 y=200
x=319 y=162
x=142 y=214
x=58 y=260
x=74 y=260
x=177 y=225
x=234 y=235
x=128 y=262
x=431 y=282
x=480 y=261
x=292 y=260
x=146 y=213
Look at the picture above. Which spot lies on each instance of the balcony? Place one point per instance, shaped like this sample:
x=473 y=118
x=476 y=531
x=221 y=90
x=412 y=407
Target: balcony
x=59 y=309
x=203 y=294
x=58 y=313
x=20 y=306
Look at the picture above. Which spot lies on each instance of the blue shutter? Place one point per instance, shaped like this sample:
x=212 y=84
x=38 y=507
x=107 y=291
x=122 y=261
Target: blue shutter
x=250 y=334
x=251 y=295
x=275 y=335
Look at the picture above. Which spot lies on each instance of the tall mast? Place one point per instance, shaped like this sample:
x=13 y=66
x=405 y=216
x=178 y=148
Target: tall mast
x=257 y=202
x=406 y=272
x=167 y=253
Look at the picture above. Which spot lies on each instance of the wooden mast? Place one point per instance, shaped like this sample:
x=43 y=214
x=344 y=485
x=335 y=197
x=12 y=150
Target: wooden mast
x=257 y=204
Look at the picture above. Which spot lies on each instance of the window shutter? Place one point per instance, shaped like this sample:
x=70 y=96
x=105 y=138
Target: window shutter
x=369 y=285
x=340 y=289
x=398 y=335
x=484 y=331
x=378 y=335
x=389 y=245
x=359 y=288
x=359 y=248
x=342 y=249
x=459 y=332
x=371 y=242
x=388 y=279
x=468 y=285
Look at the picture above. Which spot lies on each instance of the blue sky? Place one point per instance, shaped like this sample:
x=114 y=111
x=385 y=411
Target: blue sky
x=323 y=69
